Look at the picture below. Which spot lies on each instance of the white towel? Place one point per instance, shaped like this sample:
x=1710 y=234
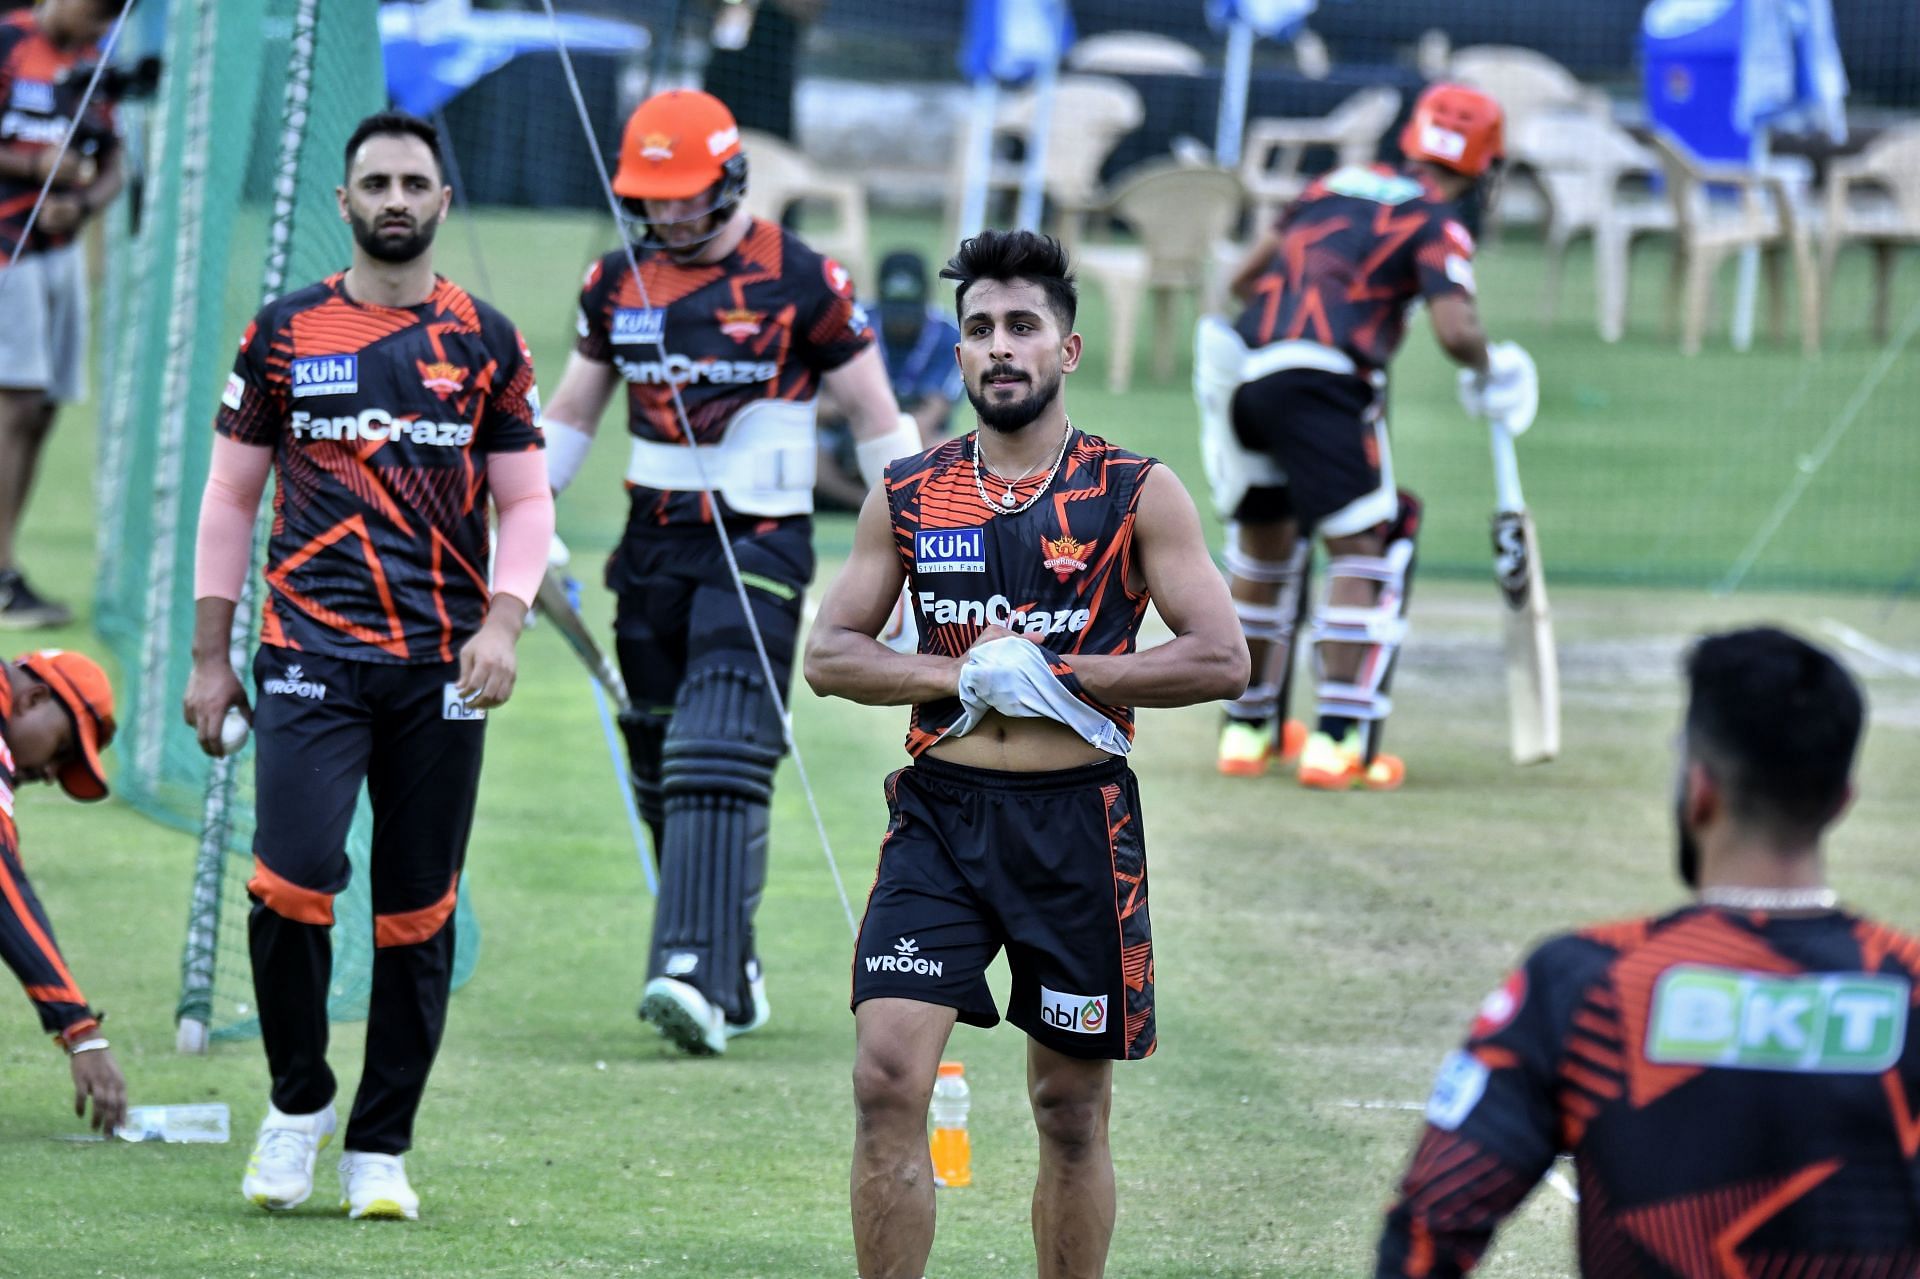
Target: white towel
x=1013 y=676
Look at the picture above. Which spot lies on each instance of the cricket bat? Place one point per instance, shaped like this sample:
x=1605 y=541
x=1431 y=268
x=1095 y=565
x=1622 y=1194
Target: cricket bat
x=553 y=601
x=1533 y=667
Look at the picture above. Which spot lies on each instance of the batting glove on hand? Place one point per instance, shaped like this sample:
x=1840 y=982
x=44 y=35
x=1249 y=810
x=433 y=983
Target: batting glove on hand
x=558 y=556
x=1512 y=392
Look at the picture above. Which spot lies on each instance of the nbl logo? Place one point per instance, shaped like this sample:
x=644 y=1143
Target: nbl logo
x=1075 y=1014
x=1510 y=557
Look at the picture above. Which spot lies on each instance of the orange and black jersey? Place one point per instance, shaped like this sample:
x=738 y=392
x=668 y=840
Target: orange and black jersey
x=39 y=100
x=1740 y=1094
x=26 y=938
x=1056 y=571
x=762 y=323
x=380 y=419
x=1357 y=247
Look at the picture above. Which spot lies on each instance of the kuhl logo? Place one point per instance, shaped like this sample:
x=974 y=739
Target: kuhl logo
x=906 y=958
x=33 y=95
x=639 y=326
x=295 y=684
x=326 y=375
x=1075 y=1014
x=949 y=550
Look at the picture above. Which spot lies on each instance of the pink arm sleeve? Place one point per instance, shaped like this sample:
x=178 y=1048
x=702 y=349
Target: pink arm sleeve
x=525 y=503
x=232 y=498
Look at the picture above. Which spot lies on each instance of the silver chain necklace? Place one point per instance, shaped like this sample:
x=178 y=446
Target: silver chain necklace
x=1007 y=503
x=1769 y=898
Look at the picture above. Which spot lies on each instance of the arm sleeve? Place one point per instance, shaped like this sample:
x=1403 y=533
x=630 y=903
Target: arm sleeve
x=1444 y=258
x=525 y=504
x=253 y=407
x=596 y=341
x=223 y=548
x=1491 y=1134
x=27 y=945
x=511 y=424
x=832 y=327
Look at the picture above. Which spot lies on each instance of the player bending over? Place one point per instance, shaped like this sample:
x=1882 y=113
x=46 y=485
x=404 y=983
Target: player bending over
x=1293 y=427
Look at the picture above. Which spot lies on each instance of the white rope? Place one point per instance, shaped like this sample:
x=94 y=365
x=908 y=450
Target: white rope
x=73 y=127
x=686 y=432
x=1809 y=465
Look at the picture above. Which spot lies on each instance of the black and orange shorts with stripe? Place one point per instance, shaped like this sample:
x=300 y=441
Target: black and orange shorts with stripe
x=1051 y=867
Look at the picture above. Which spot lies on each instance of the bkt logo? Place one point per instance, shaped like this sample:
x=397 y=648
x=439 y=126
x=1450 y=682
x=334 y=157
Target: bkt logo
x=1818 y=1023
x=295 y=684
x=1075 y=1014
x=636 y=326
x=326 y=375
x=380 y=426
x=906 y=958
x=999 y=611
x=681 y=370
x=949 y=550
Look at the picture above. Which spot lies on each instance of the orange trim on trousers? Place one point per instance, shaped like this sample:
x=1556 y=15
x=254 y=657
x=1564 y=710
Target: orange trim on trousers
x=287 y=899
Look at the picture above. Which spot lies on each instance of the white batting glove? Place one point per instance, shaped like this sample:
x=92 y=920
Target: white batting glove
x=558 y=556
x=1512 y=391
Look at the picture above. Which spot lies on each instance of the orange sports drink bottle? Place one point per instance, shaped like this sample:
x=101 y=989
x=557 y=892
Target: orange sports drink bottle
x=952 y=1150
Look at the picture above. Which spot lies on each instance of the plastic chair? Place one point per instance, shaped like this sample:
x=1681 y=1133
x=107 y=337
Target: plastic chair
x=1091 y=114
x=1270 y=161
x=1886 y=223
x=779 y=176
x=1708 y=230
x=1135 y=53
x=1179 y=213
x=1583 y=164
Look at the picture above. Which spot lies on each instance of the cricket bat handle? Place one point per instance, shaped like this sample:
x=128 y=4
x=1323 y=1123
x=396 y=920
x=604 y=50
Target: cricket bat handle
x=1506 y=470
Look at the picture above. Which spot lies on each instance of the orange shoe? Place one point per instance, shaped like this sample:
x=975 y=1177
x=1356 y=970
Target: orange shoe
x=1386 y=772
x=1293 y=740
x=1325 y=766
x=1244 y=749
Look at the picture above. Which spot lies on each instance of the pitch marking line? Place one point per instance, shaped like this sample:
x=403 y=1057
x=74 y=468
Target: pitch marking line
x=1900 y=662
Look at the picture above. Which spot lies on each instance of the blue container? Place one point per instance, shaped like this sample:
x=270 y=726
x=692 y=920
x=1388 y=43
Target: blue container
x=1690 y=53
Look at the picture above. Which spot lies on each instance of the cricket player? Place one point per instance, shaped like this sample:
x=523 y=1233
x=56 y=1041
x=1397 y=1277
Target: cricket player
x=1294 y=430
x=736 y=324
x=391 y=405
x=56 y=716
x=1736 y=1080
x=1031 y=550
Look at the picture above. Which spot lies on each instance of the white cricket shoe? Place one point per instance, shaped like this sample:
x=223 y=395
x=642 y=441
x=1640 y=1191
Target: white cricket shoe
x=760 y=1009
x=376 y=1186
x=280 y=1170
x=684 y=1016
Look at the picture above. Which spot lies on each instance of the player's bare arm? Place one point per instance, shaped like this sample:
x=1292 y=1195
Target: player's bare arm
x=843 y=659
x=1207 y=657
x=571 y=417
x=222 y=554
x=860 y=386
x=1457 y=327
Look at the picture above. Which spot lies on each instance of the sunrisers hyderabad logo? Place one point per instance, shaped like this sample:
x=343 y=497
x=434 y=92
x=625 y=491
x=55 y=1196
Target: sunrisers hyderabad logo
x=1498 y=1009
x=656 y=146
x=839 y=279
x=1064 y=555
x=441 y=378
x=739 y=323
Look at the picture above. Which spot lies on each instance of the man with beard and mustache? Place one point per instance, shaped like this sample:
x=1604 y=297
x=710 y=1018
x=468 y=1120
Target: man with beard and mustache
x=391 y=404
x=726 y=329
x=1031 y=551
x=1735 y=1080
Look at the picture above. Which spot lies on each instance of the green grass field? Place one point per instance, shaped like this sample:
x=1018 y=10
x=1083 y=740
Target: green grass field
x=1317 y=954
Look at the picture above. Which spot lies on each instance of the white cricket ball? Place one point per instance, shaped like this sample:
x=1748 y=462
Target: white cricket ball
x=233 y=731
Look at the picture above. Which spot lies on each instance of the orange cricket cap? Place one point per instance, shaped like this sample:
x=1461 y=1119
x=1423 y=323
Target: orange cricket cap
x=86 y=694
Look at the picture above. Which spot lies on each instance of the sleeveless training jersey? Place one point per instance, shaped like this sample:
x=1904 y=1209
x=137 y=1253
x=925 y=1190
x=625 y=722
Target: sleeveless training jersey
x=1358 y=246
x=26 y=938
x=1056 y=571
x=762 y=323
x=39 y=97
x=381 y=419
x=1740 y=1093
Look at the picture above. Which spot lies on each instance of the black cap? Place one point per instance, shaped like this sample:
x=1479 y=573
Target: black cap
x=903 y=279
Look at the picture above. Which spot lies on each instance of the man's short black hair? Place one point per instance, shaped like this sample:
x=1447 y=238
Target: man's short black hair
x=387 y=123
x=1777 y=721
x=1015 y=255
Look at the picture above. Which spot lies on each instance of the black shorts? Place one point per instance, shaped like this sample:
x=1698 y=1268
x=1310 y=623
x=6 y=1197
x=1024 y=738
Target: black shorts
x=1327 y=431
x=1052 y=866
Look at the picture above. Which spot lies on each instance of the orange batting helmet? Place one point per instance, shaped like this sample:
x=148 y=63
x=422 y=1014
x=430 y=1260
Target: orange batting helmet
x=1456 y=128
x=677 y=144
